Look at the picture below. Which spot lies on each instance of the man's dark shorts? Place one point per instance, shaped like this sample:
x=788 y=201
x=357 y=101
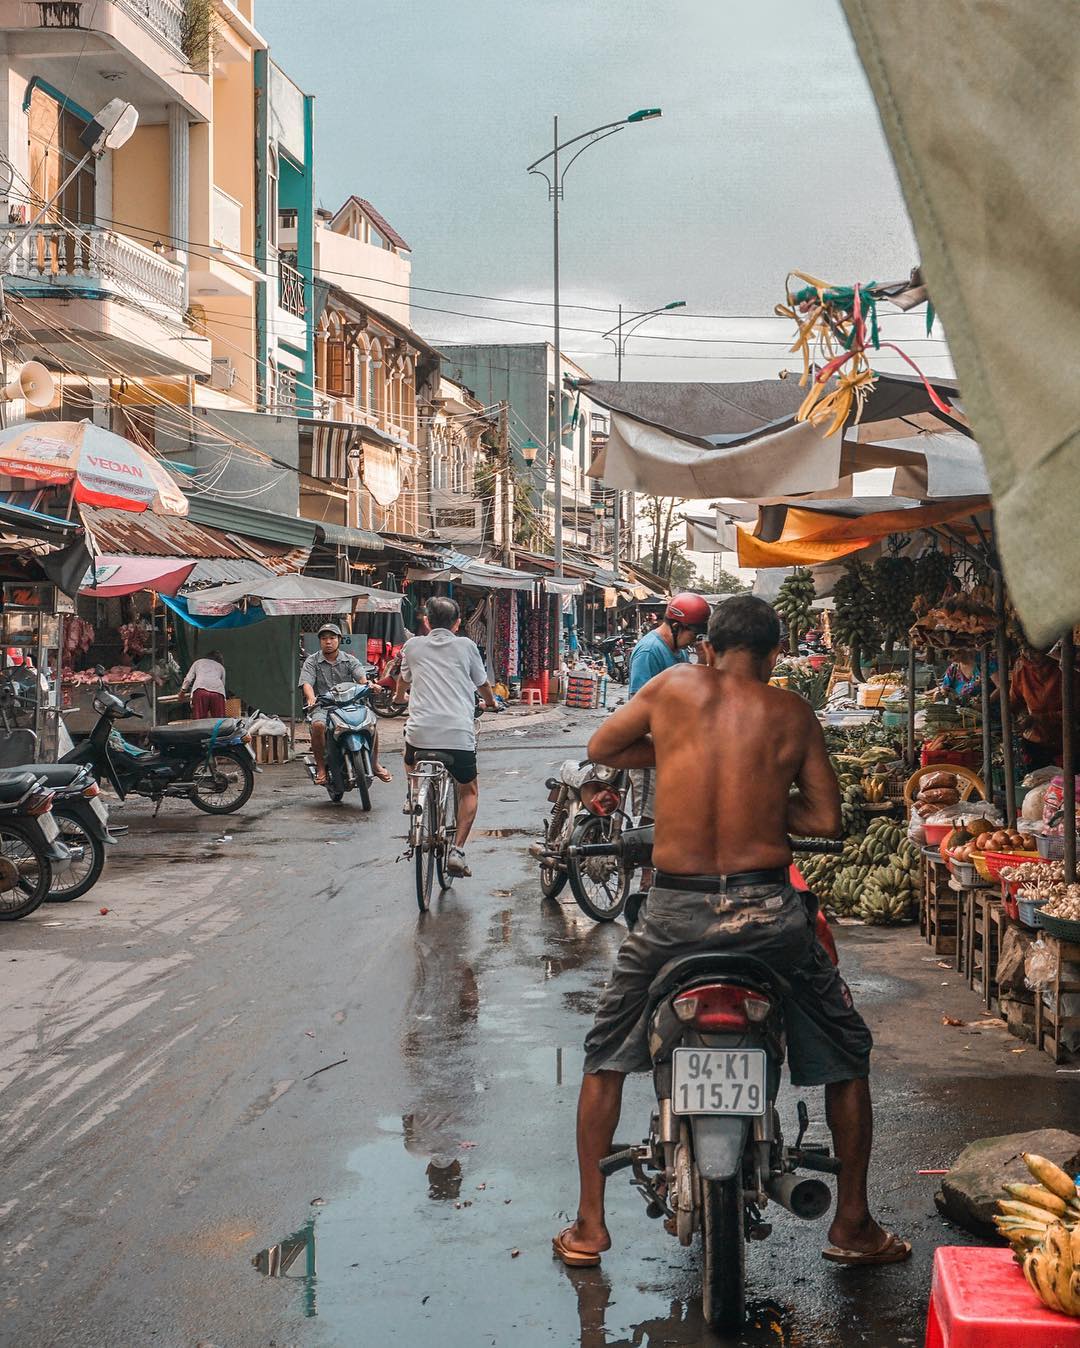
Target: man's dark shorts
x=462 y=762
x=827 y=1038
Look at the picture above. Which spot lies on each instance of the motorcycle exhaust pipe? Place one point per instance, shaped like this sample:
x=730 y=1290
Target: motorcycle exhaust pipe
x=806 y=1198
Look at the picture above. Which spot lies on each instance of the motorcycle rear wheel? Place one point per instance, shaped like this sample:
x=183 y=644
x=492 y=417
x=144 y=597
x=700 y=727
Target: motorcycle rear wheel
x=723 y=1272
x=19 y=852
x=84 y=875
x=600 y=885
x=210 y=798
x=553 y=878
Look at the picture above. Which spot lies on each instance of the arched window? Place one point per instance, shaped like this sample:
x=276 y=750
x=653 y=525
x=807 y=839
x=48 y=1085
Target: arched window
x=408 y=399
x=363 y=356
x=339 y=364
x=376 y=389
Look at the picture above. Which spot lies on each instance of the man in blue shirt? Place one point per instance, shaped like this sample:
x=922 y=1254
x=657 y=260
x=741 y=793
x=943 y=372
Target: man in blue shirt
x=682 y=626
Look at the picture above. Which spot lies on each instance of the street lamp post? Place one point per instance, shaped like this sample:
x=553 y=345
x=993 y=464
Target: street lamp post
x=619 y=341
x=555 y=192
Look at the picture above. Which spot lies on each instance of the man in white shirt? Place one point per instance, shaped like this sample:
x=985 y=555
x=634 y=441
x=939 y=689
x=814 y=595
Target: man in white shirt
x=442 y=672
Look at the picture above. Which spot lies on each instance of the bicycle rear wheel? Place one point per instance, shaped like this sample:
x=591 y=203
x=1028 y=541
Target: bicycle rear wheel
x=449 y=831
x=424 y=851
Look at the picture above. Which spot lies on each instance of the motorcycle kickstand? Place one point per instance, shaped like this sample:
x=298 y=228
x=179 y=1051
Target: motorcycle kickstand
x=157 y=806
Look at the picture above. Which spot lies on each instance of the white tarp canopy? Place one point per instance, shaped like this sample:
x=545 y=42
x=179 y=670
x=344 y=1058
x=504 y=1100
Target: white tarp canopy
x=284 y=596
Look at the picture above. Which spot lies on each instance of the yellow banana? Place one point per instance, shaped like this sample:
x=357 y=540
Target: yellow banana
x=1044 y=1283
x=1059 y=1264
x=1050 y=1175
x=1074 y=1246
x=1028 y=1210
x=1038 y=1196
x=1073 y=1307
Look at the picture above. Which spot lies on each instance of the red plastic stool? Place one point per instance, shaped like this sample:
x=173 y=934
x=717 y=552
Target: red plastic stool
x=980 y=1299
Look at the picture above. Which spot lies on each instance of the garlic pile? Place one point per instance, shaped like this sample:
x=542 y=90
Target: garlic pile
x=1035 y=870
x=1065 y=904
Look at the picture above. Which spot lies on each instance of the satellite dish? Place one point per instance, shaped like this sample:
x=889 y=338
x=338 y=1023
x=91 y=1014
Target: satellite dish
x=33 y=383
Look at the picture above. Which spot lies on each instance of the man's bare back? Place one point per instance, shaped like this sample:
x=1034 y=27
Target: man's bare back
x=727 y=748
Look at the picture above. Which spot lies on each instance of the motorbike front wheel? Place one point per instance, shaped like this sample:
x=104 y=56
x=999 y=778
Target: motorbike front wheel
x=362 y=772
x=723 y=1273
x=599 y=884
x=25 y=873
x=83 y=875
x=224 y=783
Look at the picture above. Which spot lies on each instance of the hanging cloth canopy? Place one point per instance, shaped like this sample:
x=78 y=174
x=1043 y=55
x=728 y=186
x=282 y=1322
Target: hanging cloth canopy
x=111 y=576
x=106 y=469
x=290 y=595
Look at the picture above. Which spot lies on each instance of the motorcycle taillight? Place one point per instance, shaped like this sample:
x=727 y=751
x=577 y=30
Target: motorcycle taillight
x=91 y=791
x=41 y=802
x=721 y=1006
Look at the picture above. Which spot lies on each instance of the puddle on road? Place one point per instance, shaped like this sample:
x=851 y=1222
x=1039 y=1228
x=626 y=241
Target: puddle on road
x=278 y=1261
x=503 y=832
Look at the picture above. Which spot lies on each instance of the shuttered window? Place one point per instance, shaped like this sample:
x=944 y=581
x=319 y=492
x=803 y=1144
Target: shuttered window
x=339 y=369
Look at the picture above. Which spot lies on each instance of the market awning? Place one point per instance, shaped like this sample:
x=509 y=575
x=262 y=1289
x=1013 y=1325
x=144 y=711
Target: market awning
x=473 y=573
x=120 y=533
x=109 y=576
x=292 y=595
x=811 y=537
x=348 y=536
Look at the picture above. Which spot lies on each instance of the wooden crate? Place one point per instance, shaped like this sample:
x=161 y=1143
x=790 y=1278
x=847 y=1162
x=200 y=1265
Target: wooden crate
x=271 y=748
x=1052 y=1019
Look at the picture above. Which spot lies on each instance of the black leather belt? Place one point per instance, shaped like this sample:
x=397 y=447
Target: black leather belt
x=716 y=884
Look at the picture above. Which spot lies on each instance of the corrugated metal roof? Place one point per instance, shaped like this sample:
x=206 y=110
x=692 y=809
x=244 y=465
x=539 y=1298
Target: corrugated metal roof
x=144 y=534
x=348 y=536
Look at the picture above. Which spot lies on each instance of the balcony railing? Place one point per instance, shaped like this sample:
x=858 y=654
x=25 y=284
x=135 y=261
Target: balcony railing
x=163 y=17
x=95 y=263
x=291 y=290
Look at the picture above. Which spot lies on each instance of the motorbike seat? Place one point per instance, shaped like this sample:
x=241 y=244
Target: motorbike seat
x=15 y=782
x=434 y=756
x=714 y=964
x=57 y=775
x=184 y=732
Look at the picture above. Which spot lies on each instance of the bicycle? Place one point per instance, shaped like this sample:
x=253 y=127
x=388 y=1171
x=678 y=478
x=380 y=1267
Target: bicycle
x=432 y=808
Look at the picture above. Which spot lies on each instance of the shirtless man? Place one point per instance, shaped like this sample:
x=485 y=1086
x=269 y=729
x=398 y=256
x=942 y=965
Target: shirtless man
x=727 y=749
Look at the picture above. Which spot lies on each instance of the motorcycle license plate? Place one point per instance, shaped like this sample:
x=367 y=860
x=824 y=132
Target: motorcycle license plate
x=100 y=808
x=718 y=1081
x=49 y=826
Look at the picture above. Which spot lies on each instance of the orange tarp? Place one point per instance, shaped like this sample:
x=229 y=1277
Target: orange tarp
x=810 y=537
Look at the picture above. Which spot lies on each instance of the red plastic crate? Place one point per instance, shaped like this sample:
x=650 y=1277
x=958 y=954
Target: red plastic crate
x=980 y=1299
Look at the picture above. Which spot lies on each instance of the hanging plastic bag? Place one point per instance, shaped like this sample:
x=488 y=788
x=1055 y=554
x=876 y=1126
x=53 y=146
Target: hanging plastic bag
x=1041 y=964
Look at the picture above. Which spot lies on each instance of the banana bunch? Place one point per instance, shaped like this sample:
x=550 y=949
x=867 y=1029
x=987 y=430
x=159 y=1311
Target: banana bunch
x=881 y=843
x=1041 y=1222
x=819 y=872
x=887 y=896
x=873 y=789
x=848 y=888
x=852 y=814
x=855 y=619
x=892 y=586
x=794 y=603
x=933 y=571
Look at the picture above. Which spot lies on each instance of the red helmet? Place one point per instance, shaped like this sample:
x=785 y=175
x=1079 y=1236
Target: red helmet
x=691 y=610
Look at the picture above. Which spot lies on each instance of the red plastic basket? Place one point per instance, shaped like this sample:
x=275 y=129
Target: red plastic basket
x=996 y=862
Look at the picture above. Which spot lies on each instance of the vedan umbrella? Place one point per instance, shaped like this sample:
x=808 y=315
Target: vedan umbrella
x=109 y=576
x=105 y=469
x=284 y=596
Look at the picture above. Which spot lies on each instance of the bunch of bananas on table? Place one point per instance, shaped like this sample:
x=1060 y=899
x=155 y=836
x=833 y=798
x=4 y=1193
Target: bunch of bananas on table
x=874 y=878
x=1041 y=1222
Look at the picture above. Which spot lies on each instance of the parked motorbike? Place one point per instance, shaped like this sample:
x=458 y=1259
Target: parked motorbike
x=208 y=762
x=350 y=742
x=31 y=849
x=382 y=690
x=587 y=806
x=616 y=657
x=715 y=1154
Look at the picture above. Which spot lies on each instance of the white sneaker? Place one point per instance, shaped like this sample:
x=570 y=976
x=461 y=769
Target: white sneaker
x=456 y=864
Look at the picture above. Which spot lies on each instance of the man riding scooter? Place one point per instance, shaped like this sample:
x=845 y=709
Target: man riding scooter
x=320 y=673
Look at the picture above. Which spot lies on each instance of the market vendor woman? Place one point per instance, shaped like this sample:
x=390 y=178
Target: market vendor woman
x=962 y=681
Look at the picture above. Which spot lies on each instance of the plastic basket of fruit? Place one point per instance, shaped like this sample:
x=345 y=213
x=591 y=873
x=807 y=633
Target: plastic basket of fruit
x=1064 y=928
x=982 y=866
x=1028 y=911
x=996 y=862
x=965 y=872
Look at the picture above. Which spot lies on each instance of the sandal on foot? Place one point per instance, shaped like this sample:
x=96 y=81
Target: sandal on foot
x=572 y=1258
x=383 y=774
x=892 y=1250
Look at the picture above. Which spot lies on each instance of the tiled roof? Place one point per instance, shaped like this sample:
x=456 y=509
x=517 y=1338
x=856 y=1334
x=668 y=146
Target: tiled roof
x=385 y=228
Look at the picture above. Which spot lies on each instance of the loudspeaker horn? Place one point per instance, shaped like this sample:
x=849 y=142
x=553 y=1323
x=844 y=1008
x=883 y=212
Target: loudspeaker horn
x=33 y=383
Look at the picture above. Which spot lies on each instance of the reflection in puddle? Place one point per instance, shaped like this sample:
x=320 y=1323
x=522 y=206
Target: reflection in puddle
x=277 y=1260
x=444 y=1178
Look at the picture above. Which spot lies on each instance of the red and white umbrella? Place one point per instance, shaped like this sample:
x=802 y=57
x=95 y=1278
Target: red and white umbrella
x=105 y=469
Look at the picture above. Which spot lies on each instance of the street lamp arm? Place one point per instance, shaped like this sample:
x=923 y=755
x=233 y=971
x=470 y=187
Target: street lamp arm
x=595 y=141
x=608 y=126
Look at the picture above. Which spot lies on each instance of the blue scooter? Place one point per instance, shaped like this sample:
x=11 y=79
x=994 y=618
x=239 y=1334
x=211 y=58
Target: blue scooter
x=350 y=742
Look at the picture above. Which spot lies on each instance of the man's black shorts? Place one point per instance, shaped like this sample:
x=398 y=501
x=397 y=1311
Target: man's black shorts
x=462 y=766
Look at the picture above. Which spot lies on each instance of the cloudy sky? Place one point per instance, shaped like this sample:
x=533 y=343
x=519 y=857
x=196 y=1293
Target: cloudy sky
x=769 y=157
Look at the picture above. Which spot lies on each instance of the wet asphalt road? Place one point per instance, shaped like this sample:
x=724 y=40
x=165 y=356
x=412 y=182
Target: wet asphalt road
x=165 y=1117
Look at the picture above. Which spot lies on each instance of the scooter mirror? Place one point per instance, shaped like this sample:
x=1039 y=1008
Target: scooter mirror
x=99 y=670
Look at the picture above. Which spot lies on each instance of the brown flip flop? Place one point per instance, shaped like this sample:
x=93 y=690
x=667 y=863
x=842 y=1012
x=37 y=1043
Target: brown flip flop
x=570 y=1257
x=384 y=774
x=893 y=1250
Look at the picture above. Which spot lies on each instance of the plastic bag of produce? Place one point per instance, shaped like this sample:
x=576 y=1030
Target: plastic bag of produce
x=1053 y=801
x=1040 y=966
x=1032 y=808
x=1040 y=777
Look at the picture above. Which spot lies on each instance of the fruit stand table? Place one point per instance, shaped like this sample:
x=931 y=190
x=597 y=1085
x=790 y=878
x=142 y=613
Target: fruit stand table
x=1051 y=1020
x=939 y=907
x=979 y=1299
x=982 y=907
